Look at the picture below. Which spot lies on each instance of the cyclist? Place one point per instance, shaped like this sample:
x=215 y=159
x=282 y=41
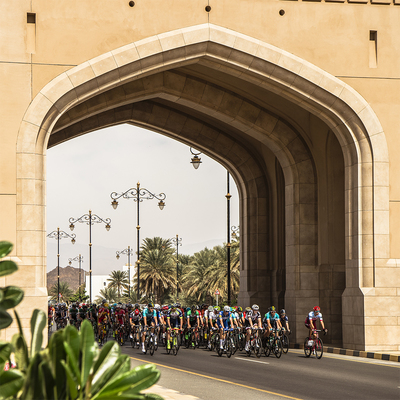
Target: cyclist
x=213 y=317
x=82 y=314
x=73 y=314
x=241 y=320
x=284 y=320
x=103 y=316
x=224 y=321
x=252 y=319
x=193 y=320
x=119 y=318
x=311 y=321
x=149 y=320
x=271 y=321
x=174 y=320
x=135 y=319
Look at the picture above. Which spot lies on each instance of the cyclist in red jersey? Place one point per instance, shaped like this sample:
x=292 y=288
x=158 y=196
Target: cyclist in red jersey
x=103 y=315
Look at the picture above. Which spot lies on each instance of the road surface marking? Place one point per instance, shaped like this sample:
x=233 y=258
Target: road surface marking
x=216 y=379
x=249 y=359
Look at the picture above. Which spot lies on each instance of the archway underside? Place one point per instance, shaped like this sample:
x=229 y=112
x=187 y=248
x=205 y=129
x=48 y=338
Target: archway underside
x=299 y=143
x=270 y=161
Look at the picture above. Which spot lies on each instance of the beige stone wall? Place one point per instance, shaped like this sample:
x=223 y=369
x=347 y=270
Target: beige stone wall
x=275 y=98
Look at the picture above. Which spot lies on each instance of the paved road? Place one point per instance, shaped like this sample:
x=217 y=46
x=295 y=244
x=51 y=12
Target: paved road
x=203 y=374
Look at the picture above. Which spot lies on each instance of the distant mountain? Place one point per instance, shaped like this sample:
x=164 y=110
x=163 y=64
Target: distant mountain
x=68 y=274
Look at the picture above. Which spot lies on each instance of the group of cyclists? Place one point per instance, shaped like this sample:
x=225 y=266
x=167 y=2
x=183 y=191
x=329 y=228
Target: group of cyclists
x=208 y=325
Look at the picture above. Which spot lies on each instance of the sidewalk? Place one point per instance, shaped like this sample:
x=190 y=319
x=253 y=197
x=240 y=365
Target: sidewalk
x=393 y=356
x=169 y=394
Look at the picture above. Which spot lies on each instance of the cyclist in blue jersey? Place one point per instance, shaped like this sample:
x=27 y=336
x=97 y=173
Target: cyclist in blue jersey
x=174 y=320
x=224 y=322
x=149 y=320
x=272 y=321
x=284 y=320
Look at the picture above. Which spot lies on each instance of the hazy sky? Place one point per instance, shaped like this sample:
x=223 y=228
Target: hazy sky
x=82 y=173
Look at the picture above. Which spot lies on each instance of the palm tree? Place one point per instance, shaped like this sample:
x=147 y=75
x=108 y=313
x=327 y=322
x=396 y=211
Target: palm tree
x=65 y=291
x=217 y=275
x=157 y=268
x=108 y=293
x=195 y=280
x=118 y=280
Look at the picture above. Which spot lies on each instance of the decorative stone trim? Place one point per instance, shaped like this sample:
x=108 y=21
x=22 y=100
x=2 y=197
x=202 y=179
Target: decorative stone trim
x=353 y=353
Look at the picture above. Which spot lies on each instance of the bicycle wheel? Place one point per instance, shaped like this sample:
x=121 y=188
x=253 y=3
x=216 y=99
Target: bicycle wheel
x=187 y=341
x=285 y=344
x=241 y=341
x=166 y=346
x=219 y=350
x=319 y=348
x=146 y=343
x=257 y=347
x=307 y=349
x=229 y=347
x=175 y=346
x=151 y=346
x=277 y=347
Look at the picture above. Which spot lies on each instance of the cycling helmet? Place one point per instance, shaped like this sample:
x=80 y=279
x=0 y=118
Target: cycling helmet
x=165 y=308
x=282 y=311
x=239 y=309
x=123 y=306
x=103 y=301
x=227 y=308
x=233 y=309
x=248 y=309
x=137 y=312
x=273 y=309
x=150 y=305
x=136 y=305
x=317 y=309
x=217 y=308
x=188 y=309
x=210 y=309
x=178 y=305
x=197 y=308
x=157 y=307
x=255 y=307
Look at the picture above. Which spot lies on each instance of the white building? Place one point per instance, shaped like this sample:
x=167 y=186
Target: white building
x=100 y=282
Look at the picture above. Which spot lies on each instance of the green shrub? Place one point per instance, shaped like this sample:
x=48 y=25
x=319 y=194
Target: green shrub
x=71 y=366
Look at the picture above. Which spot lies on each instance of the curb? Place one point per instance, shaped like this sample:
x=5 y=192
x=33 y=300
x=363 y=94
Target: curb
x=354 y=353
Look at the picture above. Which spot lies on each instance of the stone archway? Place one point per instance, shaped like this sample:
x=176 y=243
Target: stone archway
x=58 y=107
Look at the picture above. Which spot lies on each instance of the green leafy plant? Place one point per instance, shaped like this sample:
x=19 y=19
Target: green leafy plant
x=10 y=296
x=71 y=366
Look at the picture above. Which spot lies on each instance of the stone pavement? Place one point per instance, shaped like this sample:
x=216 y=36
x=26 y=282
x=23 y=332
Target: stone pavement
x=169 y=394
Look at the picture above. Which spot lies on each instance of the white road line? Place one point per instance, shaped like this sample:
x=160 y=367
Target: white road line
x=248 y=359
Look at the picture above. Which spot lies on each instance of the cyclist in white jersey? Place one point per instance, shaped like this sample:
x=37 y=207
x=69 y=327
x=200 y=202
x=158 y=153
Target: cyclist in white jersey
x=252 y=320
x=311 y=321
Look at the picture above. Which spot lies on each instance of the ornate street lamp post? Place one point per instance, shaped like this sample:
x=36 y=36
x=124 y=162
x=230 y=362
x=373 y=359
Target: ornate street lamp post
x=60 y=235
x=195 y=161
x=178 y=242
x=80 y=259
x=128 y=252
x=228 y=233
x=138 y=194
x=90 y=219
